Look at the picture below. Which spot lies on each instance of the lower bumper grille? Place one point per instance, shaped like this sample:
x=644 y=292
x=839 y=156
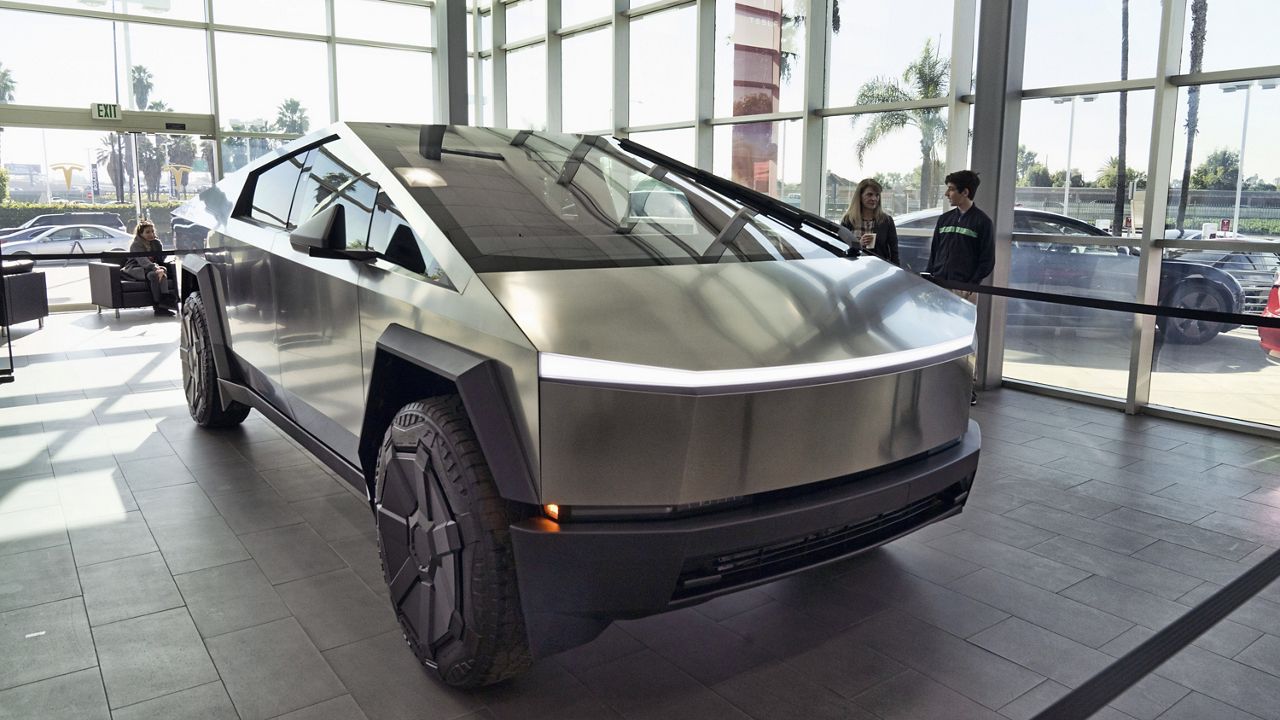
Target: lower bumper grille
x=707 y=575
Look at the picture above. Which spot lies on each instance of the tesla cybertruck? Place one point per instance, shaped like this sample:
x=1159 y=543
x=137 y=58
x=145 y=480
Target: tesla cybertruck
x=577 y=381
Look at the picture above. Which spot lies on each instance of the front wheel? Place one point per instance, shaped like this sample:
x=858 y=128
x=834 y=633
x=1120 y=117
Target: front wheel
x=445 y=542
x=199 y=375
x=1194 y=296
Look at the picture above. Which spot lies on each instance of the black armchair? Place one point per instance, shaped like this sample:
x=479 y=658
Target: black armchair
x=26 y=297
x=109 y=288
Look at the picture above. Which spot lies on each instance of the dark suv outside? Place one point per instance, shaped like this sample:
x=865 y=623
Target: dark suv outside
x=576 y=380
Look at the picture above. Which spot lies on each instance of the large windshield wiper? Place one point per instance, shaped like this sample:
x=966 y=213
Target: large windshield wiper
x=792 y=217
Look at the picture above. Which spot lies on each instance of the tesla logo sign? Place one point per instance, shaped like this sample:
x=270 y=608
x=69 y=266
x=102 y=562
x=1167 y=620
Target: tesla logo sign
x=105 y=111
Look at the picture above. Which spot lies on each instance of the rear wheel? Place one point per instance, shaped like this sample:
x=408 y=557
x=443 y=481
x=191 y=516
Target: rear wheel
x=1194 y=296
x=199 y=375
x=445 y=542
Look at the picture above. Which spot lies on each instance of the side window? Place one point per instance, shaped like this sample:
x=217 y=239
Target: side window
x=393 y=239
x=326 y=181
x=273 y=191
x=67 y=234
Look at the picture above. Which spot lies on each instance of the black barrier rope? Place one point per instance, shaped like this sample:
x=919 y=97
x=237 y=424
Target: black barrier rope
x=1116 y=305
x=1102 y=688
x=1094 y=694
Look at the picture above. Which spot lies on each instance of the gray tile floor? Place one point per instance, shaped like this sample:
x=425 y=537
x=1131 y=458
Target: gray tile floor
x=150 y=569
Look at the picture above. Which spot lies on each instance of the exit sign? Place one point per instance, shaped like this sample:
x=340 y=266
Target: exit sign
x=104 y=111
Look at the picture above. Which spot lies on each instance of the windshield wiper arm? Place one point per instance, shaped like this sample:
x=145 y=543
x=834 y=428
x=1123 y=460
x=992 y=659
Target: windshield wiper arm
x=792 y=217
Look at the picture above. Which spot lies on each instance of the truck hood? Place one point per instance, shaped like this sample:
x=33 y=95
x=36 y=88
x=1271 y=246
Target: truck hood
x=735 y=325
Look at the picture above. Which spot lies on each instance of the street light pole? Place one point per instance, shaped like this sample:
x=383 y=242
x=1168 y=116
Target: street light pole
x=1071 y=134
x=1244 y=135
x=1066 y=182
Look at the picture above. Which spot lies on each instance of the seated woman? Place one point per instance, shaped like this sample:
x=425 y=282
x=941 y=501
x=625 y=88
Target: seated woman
x=150 y=268
x=876 y=230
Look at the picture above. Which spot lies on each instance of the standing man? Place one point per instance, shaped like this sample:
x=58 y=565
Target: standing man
x=963 y=248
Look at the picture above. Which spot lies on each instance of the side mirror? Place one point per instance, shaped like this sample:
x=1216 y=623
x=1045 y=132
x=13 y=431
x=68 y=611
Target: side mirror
x=326 y=230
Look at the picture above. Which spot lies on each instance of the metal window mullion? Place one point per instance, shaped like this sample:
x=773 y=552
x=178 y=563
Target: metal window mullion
x=655 y=7
x=214 y=106
x=498 y=35
x=1164 y=124
x=331 y=50
x=1097 y=88
x=1261 y=72
x=959 y=110
x=997 y=116
x=939 y=102
x=450 y=21
x=659 y=127
x=621 y=67
x=555 y=69
x=704 y=84
x=812 y=162
x=763 y=117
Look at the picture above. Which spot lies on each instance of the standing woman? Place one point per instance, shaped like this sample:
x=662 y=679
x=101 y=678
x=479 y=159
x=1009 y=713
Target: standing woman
x=875 y=229
x=150 y=268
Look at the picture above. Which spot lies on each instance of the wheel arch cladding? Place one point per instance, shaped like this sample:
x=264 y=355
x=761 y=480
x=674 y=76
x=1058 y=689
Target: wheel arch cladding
x=409 y=366
x=199 y=274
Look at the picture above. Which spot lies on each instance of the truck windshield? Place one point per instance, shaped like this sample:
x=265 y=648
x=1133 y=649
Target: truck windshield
x=514 y=200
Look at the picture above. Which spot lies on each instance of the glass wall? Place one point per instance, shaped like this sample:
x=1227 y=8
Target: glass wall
x=905 y=150
x=663 y=48
x=147 y=57
x=1223 y=219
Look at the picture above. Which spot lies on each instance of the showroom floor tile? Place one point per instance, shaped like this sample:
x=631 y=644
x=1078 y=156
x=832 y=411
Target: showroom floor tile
x=152 y=569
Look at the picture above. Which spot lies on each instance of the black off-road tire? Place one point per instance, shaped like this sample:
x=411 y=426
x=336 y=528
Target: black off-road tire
x=199 y=376
x=1194 y=296
x=445 y=542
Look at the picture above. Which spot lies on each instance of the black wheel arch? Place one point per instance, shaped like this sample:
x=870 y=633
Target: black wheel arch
x=198 y=274
x=409 y=366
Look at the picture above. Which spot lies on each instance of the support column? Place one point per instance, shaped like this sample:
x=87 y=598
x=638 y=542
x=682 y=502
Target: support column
x=499 y=20
x=451 y=61
x=704 y=85
x=555 y=74
x=813 y=181
x=960 y=111
x=1001 y=43
x=621 y=67
x=1164 y=126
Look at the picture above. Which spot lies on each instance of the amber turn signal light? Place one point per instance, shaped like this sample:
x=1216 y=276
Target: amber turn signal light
x=552 y=511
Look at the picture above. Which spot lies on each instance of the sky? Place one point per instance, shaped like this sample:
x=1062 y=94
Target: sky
x=1068 y=42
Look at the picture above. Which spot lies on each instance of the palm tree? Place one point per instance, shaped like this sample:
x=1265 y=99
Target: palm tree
x=7 y=85
x=119 y=165
x=1198 y=10
x=1117 y=213
x=142 y=85
x=291 y=117
x=926 y=77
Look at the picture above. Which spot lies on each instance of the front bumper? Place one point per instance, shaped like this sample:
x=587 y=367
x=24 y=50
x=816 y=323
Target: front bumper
x=575 y=578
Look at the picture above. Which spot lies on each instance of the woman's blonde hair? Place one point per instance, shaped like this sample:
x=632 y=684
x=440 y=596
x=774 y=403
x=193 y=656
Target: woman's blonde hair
x=853 y=216
x=142 y=225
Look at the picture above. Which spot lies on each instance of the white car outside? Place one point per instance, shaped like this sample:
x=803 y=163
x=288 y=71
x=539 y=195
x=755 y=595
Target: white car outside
x=68 y=239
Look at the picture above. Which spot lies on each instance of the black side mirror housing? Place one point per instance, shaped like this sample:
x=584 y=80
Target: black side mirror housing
x=325 y=230
x=325 y=236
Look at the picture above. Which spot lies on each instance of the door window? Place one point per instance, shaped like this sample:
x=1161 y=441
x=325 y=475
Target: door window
x=397 y=243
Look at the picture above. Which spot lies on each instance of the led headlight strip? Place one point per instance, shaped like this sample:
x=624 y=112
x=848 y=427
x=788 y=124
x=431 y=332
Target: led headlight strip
x=568 y=368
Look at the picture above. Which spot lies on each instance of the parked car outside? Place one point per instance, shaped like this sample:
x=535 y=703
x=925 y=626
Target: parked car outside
x=577 y=381
x=1102 y=271
x=1270 y=337
x=105 y=219
x=86 y=239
